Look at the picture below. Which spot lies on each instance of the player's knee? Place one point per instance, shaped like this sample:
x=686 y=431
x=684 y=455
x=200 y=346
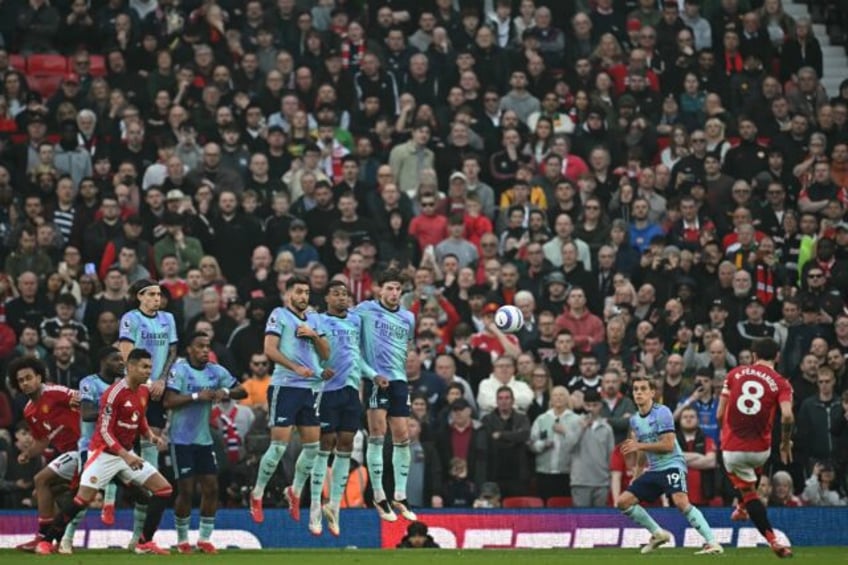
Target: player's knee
x=344 y=443
x=625 y=501
x=328 y=441
x=164 y=492
x=681 y=501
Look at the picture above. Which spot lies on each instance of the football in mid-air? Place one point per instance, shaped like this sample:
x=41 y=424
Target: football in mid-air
x=509 y=319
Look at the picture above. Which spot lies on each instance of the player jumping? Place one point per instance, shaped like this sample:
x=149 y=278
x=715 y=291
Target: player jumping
x=387 y=334
x=652 y=433
x=193 y=385
x=147 y=327
x=746 y=409
x=52 y=415
x=341 y=409
x=296 y=345
x=120 y=423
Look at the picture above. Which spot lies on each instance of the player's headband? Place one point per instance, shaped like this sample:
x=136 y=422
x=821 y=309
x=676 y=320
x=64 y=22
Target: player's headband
x=145 y=287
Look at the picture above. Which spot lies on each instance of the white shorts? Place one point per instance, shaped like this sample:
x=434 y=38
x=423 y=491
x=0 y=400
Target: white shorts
x=102 y=467
x=66 y=465
x=742 y=465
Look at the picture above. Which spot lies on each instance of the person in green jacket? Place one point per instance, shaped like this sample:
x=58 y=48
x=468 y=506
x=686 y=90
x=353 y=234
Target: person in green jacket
x=187 y=249
x=28 y=257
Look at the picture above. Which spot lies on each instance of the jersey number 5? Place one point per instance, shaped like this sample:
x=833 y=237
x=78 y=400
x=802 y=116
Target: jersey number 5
x=748 y=402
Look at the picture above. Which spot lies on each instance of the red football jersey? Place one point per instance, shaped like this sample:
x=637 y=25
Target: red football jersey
x=122 y=417
x=51 y=417
x=752 y=394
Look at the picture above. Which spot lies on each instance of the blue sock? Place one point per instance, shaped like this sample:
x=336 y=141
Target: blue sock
x=699 y=523
x=641 y=517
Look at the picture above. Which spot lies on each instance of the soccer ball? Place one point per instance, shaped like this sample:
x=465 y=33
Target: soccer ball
x=509 y=319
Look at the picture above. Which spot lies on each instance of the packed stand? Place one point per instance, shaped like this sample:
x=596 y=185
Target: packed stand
x=654 y=186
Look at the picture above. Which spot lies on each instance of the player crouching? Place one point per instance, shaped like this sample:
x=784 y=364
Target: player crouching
x=120 y=423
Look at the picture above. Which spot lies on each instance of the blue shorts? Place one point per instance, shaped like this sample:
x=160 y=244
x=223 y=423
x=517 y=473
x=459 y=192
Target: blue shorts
x=291 y=406
x=650 y=485
x=193 y=460
x=341 y=411
x=394 y=399
x=157 y=416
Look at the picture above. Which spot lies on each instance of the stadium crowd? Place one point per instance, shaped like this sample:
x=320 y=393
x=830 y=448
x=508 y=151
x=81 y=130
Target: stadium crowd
x=653 y=185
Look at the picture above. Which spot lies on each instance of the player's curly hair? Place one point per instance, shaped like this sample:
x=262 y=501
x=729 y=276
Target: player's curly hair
x=36 y=365
x=391 y=275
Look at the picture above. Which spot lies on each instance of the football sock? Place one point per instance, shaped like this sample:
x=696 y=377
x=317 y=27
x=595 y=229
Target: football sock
x=319 y=472
x=759 y=516
x=71 y=528
x=207 y=525
x=374 y=460
x=110 y=493
x=182 y=524
x=45 y=523
x=641 y=517
x=268 y=466
x=341 y=471
x=401 y=457
x=303 y=466
x=68 y=510
x=699 y=523
x=139 y=517
x=156 y=507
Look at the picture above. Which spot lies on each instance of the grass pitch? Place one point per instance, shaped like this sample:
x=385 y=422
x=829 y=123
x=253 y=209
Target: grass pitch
x=758 y=556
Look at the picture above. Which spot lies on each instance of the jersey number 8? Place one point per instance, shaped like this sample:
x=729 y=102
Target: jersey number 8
x=748 y=402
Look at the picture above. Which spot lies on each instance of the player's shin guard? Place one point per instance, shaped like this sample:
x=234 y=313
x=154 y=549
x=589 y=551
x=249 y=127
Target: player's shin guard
x=158 y=503
x=182 y=524
x=697 y=520
x=207 y=525
x=71 y=528
x=341 y=471
x=641 y=517
x=110 y=493
x=401 y=458
x=374 y=460
x=304 y=465
x=319 y=471
x=758 y=515
x=267 y=466
x=150 y=453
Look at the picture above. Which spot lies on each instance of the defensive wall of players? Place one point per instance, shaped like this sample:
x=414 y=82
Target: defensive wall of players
x=451 y=529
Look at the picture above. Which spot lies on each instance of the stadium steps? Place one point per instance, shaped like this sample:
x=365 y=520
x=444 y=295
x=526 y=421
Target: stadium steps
x=835 y=61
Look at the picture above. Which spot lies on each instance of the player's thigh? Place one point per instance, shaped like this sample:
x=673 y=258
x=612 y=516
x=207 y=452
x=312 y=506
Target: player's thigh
x=741 y=466
x=647 y=487
x=208 y=486
x=399 y=400
x=66 y=465
x=147 y=476
x=330 y=413
x=101 y=468
x=350 y=412
x=376 y=399
x=674 y=484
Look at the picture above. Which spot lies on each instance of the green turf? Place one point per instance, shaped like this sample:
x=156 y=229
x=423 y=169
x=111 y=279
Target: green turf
x=759 y=556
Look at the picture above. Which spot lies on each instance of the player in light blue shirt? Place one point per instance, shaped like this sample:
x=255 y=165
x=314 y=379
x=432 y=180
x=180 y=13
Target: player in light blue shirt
x=387 y=334
x=295 y=343
x=91 y=390
x=340 y=410
x=652 y=433
x=147 y=327
x=193 y=386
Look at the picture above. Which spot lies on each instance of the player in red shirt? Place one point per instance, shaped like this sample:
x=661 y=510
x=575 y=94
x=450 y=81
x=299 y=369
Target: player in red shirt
x=746 y=409
x=121 y=422
x=52 y=415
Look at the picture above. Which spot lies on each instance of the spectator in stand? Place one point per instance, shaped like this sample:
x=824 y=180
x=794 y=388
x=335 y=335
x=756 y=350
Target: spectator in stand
x=817 y=416
x=503 y=376
x=552 y=446
x=783 y=491
x=590 y=469
x=699 y=450
x=508 y=431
